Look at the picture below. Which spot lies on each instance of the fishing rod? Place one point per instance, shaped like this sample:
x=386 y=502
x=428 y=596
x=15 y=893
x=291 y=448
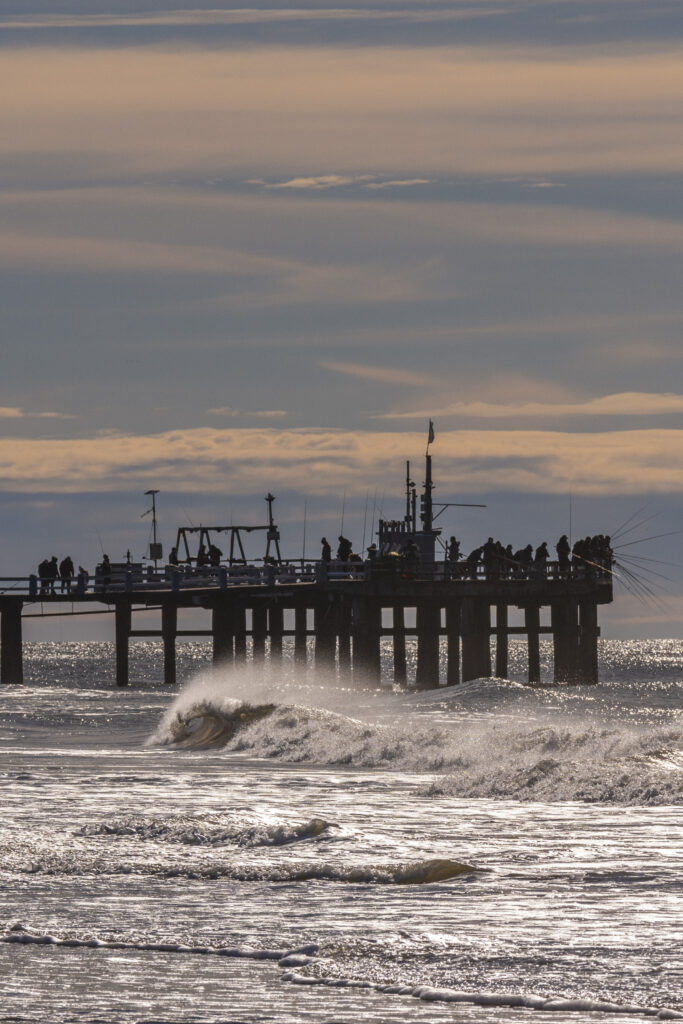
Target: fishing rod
x=617 y=531
x=636 y=526
x=642 y=540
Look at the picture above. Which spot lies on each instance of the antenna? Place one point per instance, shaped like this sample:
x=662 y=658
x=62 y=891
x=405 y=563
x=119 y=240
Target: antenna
x=155 y=549
x=303 y=543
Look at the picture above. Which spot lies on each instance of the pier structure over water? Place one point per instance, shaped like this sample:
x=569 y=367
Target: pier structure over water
x=347 y=608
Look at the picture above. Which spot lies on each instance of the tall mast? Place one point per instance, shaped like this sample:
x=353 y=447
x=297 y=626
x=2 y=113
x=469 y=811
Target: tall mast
x=426 y=513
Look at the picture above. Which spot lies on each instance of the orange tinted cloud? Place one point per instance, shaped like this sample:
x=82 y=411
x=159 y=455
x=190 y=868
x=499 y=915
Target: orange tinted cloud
x=626 y=403
x=316 y=112
x=321 y=462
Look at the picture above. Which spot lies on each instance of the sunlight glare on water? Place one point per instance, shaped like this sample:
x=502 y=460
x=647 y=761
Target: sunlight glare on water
x=243 y=844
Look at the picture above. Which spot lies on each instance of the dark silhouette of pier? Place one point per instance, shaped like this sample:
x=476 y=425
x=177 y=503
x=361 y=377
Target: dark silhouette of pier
x=347 y=608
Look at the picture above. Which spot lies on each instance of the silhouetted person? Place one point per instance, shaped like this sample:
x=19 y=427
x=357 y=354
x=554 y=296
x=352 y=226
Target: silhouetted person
x=473 y=560
x=564 y=551
x=173 y=556
x=326 y=553
x=66 y=572
x=344 y=549
x=44 y=575
x=541 y=559
x=453 y=550
x=83 y=577
x=202 y=557
x=52 y=573
x=215 y=555
x=372 y=552
x=105 y=570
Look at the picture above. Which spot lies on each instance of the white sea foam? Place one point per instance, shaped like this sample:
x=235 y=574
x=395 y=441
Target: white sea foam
x=301 y=956
x=428 y=993
x=551 y=754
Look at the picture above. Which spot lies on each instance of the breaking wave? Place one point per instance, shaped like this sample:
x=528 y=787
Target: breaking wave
x=192 y=832
x=549 y=756
x=425 y=872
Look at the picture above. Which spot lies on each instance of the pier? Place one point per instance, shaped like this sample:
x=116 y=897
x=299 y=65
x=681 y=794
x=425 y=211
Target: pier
x=350 y=609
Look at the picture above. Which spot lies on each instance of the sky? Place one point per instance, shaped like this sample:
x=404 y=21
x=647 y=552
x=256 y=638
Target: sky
x=255 y=249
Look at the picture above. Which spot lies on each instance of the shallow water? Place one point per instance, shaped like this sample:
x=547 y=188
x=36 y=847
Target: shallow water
x=466 y=854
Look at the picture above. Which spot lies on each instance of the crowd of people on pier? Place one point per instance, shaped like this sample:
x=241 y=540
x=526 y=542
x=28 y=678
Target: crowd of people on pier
x=493 y=560
x=51 y=572
x=588 y=557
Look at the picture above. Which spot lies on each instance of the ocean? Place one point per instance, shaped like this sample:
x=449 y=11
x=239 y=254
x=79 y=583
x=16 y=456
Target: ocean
x=260 y=845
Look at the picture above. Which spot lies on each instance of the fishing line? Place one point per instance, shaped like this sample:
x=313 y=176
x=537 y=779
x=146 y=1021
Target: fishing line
x=642 y=540
x=624 y=533
x=617 y=531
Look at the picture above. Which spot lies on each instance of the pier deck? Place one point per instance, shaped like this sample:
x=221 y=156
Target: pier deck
x=346 y=608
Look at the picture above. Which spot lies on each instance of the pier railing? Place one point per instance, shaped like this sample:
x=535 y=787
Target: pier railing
x=177 y=578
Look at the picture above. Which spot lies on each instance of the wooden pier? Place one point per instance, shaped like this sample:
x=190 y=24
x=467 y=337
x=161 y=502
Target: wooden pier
x=347 y=610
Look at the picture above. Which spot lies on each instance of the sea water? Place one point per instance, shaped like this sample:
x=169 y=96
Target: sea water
x=260 y=845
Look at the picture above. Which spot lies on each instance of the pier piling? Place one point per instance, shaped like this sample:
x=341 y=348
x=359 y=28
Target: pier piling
x=169 y=627
x=11 y=647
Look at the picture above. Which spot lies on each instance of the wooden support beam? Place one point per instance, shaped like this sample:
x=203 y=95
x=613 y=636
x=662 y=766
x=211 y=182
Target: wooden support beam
x=11 y=646
x=501 y=641
x=276 y=628
x=300 y=635
x=428 y=627
x=240 y=618
x=565 y=641
x=169 y=626
x=223 y=628
x=399 y=637
x=588 y=642
x=531 y=621
x=344 y=634
x=325 y=633
x=122 y=621
x=367 y=622
x=475 y=624
x=259 y=631
x=453 y=643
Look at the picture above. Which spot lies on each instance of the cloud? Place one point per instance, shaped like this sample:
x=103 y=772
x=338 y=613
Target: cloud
x=317 y=461
x=625 y=403
x=383 y=374
x=13 y=413
x=322 y=181
x=399 y=183
x=227 y=410
x=535 y=112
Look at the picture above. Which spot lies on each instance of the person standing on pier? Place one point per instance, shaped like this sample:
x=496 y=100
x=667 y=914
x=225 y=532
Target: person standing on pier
x=344 y=549
x=541 y=559
x=66 y=572
x=326 y=553
x=564 y=551
x=105 y=570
